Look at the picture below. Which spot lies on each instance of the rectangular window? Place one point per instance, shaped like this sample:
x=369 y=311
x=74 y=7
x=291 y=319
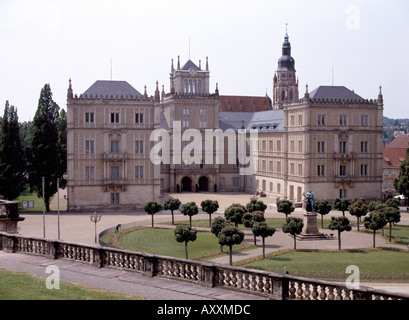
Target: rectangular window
x=271 y=187
x=342 y=147
x=364 y=170
x=139 y=147
x=292 y=120
x=342 y=170
x=299 y=146
x=321 y=120
x=292 y=168
x=270 y=145
x=89 y=173
x=300 y=119
x=321 y=146
x=279 y=166
x=364 y=120
x=203 y=112
x=278 y=145
x=138 y=172
x=89 y=117
x=221 y=182
x=342 y=120
x=364 y=146
x=279 y=188
x=292 y=146
x=342 y=193
x=138 y=117
x=89 y=146
x=321 y=171
x=236 y=182
x=114 y=117
x=270 y=166
x=300 y=169
x=186 y=124
x=114 y=147
x=114 y=198
x=115 y=173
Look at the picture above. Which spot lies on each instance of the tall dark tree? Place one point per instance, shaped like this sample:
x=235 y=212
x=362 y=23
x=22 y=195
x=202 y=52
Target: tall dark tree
x=235 y=213
x=375 y=221
x=172 y=204
x=152 y=207
x=45 y=151
x=230 y=236
x=12 y=162
x=260 y=229
x=209 y=206
x=401 y=183
x=189 y=209
x=185 y=234
x=358 y=208
x=62 y=146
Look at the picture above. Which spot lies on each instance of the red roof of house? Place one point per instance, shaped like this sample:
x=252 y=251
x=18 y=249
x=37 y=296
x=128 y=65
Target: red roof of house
x=392 y=157
x=244 y=104
x=399 y=142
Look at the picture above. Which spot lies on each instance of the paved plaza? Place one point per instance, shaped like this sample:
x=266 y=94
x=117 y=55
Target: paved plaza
x=78 y=228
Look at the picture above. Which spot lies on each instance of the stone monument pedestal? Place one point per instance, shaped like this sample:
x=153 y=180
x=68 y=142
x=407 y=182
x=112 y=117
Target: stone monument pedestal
x=310 y=230
x=9 y=225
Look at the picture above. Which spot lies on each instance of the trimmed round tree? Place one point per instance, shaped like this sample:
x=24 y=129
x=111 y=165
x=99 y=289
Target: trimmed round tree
x=152 y=207
x=341 y=224
x=185 y=234
x=375 y=221
x=260 y=229
x=217 y=225
x=229 y=236
x=392 y=215
x=285 y=206
x=189 y=209
x=256 y=205
x=358 y=208
x=235 y=213
x=209 y=206
x=322 y=207
x=172 y=204
x=342 y=205
x=250 y=218
x=293 y=226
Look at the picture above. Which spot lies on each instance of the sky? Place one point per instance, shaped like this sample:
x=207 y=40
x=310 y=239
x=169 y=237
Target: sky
x=357 y=44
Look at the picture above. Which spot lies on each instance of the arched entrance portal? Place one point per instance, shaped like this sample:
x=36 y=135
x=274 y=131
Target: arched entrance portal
x=186 y=184
x=203 y=184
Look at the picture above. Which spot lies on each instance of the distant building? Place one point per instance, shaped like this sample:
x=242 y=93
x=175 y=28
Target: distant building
x=329 y=140
x=394 y=153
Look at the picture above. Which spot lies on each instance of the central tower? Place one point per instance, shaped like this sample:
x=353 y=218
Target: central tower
x=285 y=87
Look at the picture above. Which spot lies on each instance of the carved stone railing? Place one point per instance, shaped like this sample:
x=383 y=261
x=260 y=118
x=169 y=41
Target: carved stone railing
x=267 y=284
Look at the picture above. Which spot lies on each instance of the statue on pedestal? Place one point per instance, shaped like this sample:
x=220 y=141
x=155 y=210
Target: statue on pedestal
x=309 y=201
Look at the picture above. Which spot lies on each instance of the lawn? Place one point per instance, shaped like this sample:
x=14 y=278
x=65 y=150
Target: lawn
x=162 y=242
x=21 y=286
x=373 y=264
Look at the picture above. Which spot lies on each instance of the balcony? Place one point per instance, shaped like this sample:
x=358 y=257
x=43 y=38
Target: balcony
x=115 y=156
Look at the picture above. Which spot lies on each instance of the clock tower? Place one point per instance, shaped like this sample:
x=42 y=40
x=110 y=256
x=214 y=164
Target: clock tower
x=285 y=88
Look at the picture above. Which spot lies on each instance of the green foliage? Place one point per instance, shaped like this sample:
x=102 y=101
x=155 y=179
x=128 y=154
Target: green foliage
x=209 y=206
x=260 y=229
x=293 y=226
x=375 y=221
x=358 y=208
x=44 y=153
x=285 y=206
x=172 y=204
x=374 y=205
x=401 y=182
x=189 y=209
x=341 y=204
x=235 y=213
x=185 y=234
x=392 y=215
x=12 y=160
x=322 y=207
x=217 y=225
x=392 y=202
x=340 y=224
x=256 y=205
x=230 y=236
x=62 y=146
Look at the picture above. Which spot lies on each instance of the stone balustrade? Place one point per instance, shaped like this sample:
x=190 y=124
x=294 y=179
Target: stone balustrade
x=268 y=284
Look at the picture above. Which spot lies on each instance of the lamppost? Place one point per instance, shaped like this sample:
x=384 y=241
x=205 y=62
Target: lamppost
x=95 y=218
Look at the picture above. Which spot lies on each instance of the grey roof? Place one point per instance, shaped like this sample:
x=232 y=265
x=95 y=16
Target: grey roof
x=334 y=92
x=189 y=64
x=264 y=121
x=114 y=88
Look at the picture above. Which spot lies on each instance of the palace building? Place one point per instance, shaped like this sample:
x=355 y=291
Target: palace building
x=329 y=140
